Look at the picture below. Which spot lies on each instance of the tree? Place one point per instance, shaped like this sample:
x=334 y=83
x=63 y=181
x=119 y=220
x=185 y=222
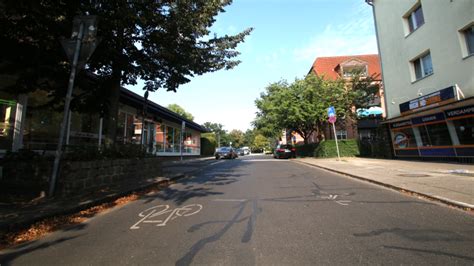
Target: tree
x=260 y=143
x=237 y=137
x=302 y=105
x=249 y=137
x=164 y=43
x=180 y=111
x=221 y=134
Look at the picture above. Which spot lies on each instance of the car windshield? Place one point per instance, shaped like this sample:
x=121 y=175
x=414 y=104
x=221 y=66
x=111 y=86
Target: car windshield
x=224 y=149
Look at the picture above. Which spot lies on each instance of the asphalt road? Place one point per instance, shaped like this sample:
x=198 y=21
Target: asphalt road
x=259 y=211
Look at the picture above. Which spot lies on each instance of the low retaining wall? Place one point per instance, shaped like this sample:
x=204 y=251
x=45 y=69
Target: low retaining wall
x=79 y=177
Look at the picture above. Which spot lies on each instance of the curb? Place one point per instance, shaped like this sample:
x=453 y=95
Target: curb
x=452 y=203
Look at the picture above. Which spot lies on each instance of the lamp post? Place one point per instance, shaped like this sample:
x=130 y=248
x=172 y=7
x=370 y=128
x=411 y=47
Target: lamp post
x=78 y=49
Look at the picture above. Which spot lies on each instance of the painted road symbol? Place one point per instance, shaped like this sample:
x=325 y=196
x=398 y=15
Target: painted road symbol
x=167 y=214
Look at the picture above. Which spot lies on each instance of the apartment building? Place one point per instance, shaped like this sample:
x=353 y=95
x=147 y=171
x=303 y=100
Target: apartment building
x=426 y=49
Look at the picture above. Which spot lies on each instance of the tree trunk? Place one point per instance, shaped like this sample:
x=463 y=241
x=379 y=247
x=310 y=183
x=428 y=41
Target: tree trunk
x=113 y=87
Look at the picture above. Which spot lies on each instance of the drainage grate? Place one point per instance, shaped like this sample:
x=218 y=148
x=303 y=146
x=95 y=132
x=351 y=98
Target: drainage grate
x=414 y=175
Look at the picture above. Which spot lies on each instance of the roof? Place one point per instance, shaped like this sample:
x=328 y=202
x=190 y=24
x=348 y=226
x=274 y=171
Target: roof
x=328 y=66
x=137 y=101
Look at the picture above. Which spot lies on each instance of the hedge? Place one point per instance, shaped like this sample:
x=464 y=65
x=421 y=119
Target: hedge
x=327 y=148
x=208 y=144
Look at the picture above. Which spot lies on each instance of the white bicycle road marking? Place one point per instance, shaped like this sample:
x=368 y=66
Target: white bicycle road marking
x=148 y=215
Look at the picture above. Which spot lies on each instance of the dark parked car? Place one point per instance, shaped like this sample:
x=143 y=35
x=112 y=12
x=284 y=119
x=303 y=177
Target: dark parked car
x=284 y=151
x=240 y=152
x=226 y=153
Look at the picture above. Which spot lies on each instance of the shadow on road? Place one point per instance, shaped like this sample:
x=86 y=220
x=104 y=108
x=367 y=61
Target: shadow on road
x=30 y=247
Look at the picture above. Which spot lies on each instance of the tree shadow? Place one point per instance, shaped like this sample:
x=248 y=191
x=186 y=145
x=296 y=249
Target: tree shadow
x=26 y=248
x=434 y=252
x=228 y=224
x=196 y=186
x=419 y=235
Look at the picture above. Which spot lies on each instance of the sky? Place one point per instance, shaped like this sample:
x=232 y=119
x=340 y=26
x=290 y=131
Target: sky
x=288 y=36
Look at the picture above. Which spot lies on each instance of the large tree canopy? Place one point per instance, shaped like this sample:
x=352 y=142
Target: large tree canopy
x=302 y=105
x=163 y=43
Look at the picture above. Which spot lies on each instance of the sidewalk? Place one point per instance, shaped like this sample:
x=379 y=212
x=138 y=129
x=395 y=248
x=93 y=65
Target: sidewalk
x=20 y=215
x=450 y=183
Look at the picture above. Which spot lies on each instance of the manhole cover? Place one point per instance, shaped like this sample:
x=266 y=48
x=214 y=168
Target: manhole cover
x=414 y=175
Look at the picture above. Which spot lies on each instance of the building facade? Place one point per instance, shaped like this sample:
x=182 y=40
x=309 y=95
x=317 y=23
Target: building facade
x=344 y=67
x=427 y=58
x=164 y=133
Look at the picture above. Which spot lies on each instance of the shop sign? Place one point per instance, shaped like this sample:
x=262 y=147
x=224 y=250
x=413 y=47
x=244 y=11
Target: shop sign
x=401 y=124
x=463 y=111
x=428 y=119
x=440 y=97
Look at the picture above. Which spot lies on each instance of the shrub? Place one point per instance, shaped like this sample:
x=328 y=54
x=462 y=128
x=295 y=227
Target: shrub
x=327 y=148
x=306 y=150
x=208 y=144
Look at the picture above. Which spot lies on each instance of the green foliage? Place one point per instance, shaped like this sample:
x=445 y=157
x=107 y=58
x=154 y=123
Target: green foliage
x=327 y=148
x=208 y=144
x=180 y=111
x=163 y=43
x=306 y=150
x=302 y=105
x=260 y=143
x=237 y=138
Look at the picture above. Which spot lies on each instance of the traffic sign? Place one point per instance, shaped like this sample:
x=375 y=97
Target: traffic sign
x=332 y=119
x=331 y=111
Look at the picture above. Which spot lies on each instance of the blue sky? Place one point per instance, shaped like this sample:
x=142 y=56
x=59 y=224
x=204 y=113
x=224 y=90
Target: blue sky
x=288 y=36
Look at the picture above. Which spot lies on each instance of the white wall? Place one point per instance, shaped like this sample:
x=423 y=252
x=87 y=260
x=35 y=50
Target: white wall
x=439 y=34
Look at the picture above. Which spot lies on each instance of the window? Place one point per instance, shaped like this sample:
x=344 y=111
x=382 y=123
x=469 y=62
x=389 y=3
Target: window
x=350 y=71
x=415 y=19
x=422 y=66
x=465 y=130
x=468 y=35
x=435 y=135
x=341 y=134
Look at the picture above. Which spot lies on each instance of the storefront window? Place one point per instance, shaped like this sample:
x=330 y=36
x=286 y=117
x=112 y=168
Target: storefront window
x=6 y=123
x=160 y=138
x=169 y=139
x=435 y=135
x=465 y=130
x=404 y=138
x=84 y=129
x=177 y=136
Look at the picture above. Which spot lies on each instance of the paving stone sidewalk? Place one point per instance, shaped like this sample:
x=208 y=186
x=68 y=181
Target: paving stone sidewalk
x=451 y=183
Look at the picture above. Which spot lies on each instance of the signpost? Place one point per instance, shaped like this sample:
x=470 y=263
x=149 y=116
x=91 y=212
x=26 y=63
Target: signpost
x=332 y=120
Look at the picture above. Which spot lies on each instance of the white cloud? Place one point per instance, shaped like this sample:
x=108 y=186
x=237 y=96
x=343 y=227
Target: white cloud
x=357 y=36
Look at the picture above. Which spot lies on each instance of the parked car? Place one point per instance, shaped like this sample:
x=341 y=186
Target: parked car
x=284 y=151
x=225 y=153
x=240 y=152
x=246 y=150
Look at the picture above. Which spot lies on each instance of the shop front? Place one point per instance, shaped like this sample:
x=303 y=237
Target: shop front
x=441 y=131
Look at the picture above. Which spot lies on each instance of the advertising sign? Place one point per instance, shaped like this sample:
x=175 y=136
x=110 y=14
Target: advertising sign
x=440 y=97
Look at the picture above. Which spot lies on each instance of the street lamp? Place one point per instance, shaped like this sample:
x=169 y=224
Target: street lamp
x=78 y=49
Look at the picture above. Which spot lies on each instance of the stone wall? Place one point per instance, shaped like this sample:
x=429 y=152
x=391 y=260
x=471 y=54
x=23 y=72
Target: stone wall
x=79 y=177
